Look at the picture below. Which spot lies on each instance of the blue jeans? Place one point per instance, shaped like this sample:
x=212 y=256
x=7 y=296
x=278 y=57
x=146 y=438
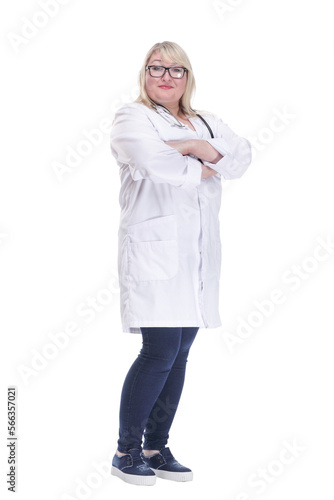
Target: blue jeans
x=153 y=387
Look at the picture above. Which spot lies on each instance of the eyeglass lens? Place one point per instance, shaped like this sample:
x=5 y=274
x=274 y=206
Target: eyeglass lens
x=157 y=71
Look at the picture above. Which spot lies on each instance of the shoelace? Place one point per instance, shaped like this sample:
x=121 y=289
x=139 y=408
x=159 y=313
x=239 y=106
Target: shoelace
x=142 y=467
x=137 y=462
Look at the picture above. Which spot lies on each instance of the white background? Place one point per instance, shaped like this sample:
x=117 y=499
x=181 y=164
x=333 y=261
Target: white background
x=58 y=248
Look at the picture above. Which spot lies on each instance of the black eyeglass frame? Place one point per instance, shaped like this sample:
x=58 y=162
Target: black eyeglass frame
x=170 y=67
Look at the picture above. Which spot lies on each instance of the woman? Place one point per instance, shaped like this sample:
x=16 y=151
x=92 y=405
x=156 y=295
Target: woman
x=171 y=162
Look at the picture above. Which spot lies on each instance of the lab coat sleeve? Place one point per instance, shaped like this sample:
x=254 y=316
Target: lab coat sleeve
x=135 y=142
x=236 y=151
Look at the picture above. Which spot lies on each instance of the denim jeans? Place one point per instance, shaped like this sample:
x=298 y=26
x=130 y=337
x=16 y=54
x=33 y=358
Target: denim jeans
x=153 y=387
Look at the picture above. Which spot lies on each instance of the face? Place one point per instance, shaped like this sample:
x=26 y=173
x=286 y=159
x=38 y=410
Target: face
x=164 y=90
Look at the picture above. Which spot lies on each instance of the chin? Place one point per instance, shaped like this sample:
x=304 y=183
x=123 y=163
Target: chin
x=166 y=97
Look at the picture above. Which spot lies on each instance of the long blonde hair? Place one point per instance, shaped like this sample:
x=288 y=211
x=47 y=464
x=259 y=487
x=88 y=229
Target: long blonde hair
x=172 y=51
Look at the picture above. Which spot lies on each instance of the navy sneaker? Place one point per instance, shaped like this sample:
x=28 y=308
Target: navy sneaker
x=165 y=466
x=132 y=469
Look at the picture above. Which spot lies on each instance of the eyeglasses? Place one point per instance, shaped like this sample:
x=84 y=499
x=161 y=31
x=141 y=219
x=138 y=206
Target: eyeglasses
x=159 y=71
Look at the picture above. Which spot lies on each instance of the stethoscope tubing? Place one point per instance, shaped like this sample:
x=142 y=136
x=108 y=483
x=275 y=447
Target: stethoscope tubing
x=177 y=123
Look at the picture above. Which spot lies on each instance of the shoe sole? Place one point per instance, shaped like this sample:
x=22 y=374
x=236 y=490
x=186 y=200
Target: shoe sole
x=174 y=476
x=133 y=478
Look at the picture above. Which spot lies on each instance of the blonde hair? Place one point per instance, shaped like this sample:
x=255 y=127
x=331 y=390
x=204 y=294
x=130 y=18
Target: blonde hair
x=172 y=51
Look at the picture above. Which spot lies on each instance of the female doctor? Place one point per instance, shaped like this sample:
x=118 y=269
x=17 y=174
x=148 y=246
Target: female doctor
x=171 y=161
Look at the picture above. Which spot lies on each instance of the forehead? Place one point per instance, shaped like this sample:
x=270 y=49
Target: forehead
x=156 y=57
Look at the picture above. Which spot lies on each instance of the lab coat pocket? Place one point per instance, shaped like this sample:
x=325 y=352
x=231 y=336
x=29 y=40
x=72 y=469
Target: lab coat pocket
x=156 y=229
x=153 y=260
x=153 y=249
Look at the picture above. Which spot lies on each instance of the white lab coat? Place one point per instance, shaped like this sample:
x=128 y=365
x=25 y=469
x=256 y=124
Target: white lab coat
x=169 y=249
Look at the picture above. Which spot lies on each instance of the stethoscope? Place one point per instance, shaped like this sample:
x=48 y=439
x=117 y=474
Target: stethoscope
x=174 y=122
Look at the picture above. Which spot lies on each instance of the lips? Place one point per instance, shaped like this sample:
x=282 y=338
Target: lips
x=165 y=87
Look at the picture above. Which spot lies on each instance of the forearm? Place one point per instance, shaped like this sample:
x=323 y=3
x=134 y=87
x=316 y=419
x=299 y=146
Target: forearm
x=197 y=147
x=202 y=149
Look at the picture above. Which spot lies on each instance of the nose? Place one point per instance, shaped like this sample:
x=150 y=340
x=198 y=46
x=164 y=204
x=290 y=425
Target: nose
x=166 y=76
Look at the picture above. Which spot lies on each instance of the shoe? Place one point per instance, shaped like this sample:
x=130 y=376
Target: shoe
x=165 y=466
x=131 y=469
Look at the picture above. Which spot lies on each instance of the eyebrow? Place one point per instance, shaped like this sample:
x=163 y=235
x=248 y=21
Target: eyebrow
x=160 y=60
